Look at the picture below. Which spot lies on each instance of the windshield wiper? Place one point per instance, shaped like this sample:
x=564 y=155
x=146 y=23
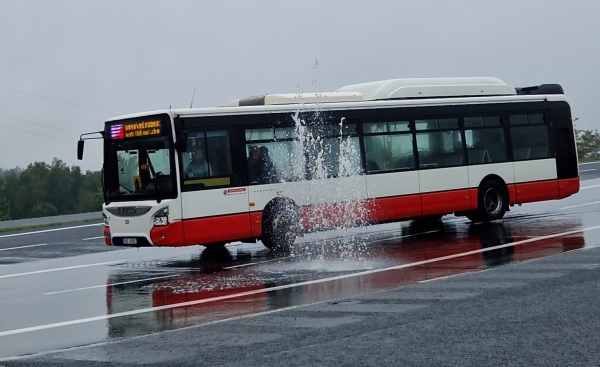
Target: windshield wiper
x=157 y=189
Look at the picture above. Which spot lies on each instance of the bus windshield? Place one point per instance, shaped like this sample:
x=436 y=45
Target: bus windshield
x=139 y=169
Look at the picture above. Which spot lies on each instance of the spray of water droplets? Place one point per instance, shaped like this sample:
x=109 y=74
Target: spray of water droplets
x=329 y=157
x=337 y=186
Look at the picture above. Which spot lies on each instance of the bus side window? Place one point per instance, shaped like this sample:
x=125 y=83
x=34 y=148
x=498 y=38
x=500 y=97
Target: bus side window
x=529 y=135
x=273 y=155
x=485 y=140
x=333 y=156
x=439 y=143
x=208 y=162
x=388 y=146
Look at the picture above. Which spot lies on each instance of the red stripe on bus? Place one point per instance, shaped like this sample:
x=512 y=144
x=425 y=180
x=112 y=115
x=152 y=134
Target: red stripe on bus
x=256 y=223
x=512 y=194
x=333 y=215
x=388 y=209
x=225 y=228
x=568 y=187
x=169 y=235
x=445 y=202
x=474 y=197
x=229 y=228
x=537 y=191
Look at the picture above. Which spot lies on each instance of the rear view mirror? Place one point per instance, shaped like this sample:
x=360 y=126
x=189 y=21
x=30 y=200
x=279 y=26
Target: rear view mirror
x=80 y=143
x=181 y=143
x=80 y=149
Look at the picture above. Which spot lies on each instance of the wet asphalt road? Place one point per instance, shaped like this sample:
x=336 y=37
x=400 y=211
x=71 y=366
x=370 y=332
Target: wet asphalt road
x=589 y=170
x=539 y=308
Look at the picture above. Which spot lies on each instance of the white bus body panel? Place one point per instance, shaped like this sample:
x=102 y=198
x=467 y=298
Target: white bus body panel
x=215 y=202
x=504 y=170
x=393 y=184
x=538 y=170
x=297 y=191
x=443 y=179
x=341 y=189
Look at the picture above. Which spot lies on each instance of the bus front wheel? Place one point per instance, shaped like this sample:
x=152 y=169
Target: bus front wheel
x=280 y=225
x=492 y=202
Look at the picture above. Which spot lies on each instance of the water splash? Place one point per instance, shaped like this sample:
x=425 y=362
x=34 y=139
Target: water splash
x=328 y=158
x=337 y=181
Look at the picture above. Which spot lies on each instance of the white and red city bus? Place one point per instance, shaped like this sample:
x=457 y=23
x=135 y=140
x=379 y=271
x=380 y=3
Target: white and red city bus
x=274 y=167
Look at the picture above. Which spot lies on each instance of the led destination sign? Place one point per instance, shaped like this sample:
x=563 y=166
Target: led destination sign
x=136 y=129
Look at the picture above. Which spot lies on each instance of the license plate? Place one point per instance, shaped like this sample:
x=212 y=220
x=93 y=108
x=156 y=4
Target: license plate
x=129 y=241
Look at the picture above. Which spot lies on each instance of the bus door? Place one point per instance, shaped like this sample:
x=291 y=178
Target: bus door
x=214 y=202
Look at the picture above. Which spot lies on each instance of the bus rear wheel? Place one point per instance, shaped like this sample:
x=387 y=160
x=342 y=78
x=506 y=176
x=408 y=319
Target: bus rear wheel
x=492 y=202
x=280 y=225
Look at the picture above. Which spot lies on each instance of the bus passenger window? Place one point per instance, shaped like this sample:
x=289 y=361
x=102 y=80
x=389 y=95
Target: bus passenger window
x=529 y=137
x=208 y=162
x=440 y=148
x=485 y=140
x=273 y=155
x=388 y=146
x=333 y=155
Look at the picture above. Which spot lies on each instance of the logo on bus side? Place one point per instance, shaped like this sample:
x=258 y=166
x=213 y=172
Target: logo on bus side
x=241 y=190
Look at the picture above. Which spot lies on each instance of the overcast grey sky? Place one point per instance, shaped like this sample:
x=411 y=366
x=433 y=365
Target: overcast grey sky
x=119 y=57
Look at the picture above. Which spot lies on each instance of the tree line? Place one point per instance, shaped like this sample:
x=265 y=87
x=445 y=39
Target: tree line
x=43 y=189
x=588 y=144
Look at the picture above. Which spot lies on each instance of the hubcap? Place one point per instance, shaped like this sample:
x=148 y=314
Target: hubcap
x=493 y=201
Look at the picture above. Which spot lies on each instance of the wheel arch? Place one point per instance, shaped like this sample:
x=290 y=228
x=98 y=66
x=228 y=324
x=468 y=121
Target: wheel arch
x=497 y=178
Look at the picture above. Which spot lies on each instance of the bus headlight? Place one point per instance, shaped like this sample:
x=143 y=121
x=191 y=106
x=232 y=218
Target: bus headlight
x=161 y=218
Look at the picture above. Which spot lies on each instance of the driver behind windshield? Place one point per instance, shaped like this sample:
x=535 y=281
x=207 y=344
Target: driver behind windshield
x=198 y=167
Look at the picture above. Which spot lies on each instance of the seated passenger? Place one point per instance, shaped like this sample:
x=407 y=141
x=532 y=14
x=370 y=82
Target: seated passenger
x=253 y=165
x=198 y=167
x=266 y=169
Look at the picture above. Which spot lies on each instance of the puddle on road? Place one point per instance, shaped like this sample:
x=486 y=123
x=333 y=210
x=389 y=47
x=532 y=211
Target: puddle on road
x=216 y=293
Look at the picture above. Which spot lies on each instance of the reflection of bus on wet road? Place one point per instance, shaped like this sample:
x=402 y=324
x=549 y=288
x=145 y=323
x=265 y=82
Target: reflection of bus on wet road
x=277 y=166
x=258 y=279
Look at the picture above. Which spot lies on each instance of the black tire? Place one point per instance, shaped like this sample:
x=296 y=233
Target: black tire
x=281 y=225
x=492 y=202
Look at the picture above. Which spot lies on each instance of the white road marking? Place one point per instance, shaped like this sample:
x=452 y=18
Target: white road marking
x=105 y=285
x=588 y=170
x=576 y=206
x=93 y=238
x=72 y=349
x=58 y=269
x=408 y=235
x=20 y=247
x=256 y=263
x=588 y=187
x=50 y=230
x=287 y=286
x=451 y=276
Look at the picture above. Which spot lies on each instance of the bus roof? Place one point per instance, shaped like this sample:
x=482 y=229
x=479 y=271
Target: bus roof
x=407 y=88
x=383 y=93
